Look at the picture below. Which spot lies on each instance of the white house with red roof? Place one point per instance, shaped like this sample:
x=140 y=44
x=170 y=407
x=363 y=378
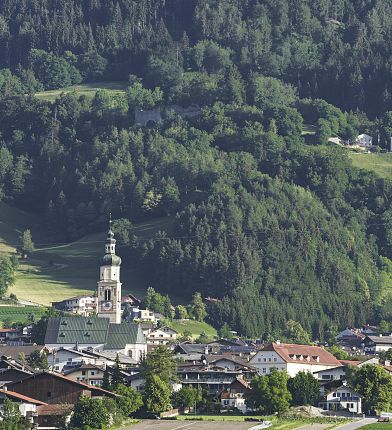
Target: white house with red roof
x=293 y=359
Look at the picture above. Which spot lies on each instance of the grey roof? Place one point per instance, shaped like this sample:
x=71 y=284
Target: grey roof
x=14 y=351
x=93 y=331
x=68 y=330
x=381 y=339
x=121 y=334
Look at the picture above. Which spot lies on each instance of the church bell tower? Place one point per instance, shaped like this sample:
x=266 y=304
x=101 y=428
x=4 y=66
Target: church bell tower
x=109 y=285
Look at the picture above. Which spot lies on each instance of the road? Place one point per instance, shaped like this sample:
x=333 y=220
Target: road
x=357 y=424
x=190 y=425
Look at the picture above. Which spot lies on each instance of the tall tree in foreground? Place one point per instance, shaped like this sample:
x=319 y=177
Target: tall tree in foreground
x=269 y=393
x=374 y=384
x=304 y=389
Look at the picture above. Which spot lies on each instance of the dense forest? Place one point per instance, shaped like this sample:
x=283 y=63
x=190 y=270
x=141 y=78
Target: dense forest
x=276 y=227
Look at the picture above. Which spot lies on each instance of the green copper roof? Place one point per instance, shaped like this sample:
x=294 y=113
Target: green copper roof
x=93 y=331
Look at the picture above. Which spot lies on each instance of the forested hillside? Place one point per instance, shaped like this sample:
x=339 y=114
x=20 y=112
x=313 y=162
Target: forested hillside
x=338 y=50
x=276 y=227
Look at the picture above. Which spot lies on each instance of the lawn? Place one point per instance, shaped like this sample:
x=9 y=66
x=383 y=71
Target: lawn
x=277 y=423
x=87 y=90
x=56 y=272
x=381 y=164
x=20 y=314
x=378 y=426
x=195 y=327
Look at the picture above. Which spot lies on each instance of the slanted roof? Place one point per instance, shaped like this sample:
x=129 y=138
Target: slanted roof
x=92 y=331
x=290 y=353
x=14 y=351
x=66 y=330
x=381 y=339
x=122 y=334
x=92 y=388
x=21 y=397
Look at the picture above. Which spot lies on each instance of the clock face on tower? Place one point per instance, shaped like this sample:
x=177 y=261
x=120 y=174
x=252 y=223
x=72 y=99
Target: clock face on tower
x=107 y=306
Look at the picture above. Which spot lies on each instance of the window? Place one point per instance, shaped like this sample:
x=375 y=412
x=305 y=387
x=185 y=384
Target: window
x=49 y=394
x=269 y=359
x=264 y=370
x=92 y=373
x=108 y=295
x=130 y=353
x=275 y=359
x=265 y=359
x=225 y=402
x=83 y=372
x=259 y=359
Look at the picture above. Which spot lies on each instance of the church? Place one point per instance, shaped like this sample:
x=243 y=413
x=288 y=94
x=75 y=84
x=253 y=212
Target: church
x=105 y=332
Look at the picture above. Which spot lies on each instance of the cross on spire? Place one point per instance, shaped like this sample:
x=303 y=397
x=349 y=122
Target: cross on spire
x=110 y=220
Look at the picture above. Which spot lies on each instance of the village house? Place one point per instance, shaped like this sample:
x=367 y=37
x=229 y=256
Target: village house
x=234 y=395
x=364 y=140
x=373 y=345
x=63 y=359
x=53 y=388
x=27 y=405
x=80 y=305
x=342 y=398
x=12 y=370
x=292 y=358
x=162 y=336
x=213 y=373
x=90 y=374
x=10 y=335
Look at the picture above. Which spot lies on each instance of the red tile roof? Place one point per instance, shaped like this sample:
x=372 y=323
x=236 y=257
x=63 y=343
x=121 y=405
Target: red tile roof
x=350 y=362
x=54 y=409
x=18 y=396
x=291 y=353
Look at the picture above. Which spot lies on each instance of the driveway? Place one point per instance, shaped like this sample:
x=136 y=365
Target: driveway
x=357 y=424
x=190 y=425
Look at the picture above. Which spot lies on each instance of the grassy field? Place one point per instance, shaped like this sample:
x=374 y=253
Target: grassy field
x=88 y=90
x=53 y=273
x=195 y=327
x=381 y=164
x=378 y=426
x=277 y=423
x=19 y=314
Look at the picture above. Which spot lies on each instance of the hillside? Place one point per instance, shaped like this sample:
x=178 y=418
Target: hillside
x=381 y=164
x=56 y=272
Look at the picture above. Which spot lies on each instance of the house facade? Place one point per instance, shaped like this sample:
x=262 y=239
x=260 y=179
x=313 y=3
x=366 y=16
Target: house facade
x=80 y=305
x=342 y=398
x=162 y=336
x=375 y=344
x=364 y=140
x=292 y=359
x=88 y=373
x=234 y=395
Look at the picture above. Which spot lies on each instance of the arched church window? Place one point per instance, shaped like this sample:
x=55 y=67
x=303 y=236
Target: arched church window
x=108 y=295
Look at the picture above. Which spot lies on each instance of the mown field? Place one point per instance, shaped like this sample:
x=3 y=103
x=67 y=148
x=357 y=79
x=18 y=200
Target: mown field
x=55 y=272
x=87 y=90
x=195 y=327
x=19 y=314
x=381 y=164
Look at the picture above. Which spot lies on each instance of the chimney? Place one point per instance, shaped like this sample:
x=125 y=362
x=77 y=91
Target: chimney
x=277 y=342
x=5 y=388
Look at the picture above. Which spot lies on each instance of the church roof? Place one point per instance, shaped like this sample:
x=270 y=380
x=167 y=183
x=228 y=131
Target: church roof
x=119 y=335
x=92 y=331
